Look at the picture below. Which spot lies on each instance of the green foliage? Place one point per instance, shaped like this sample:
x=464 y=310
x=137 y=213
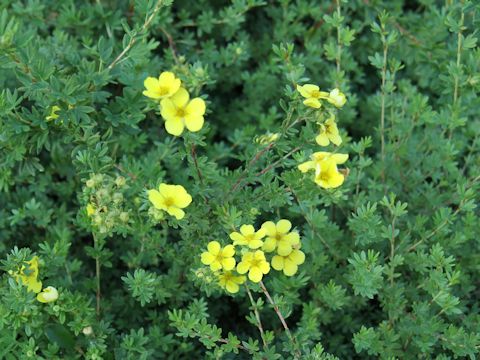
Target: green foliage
x=391 y=268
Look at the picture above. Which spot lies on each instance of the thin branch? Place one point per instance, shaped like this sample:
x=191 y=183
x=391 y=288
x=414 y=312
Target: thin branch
x=257 y=316
x=134 y=38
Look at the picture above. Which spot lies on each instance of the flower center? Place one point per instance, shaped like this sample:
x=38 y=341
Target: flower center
x=162 y=90
x=169 y=201
x=315 y=94
x=255 y=263
x=181 y=112
x=278 y=237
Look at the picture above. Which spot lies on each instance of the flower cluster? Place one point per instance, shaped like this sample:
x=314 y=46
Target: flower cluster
x=106 y=205
x=176 y=107
x=28 y=276
x=275 y=239
x=325 y=164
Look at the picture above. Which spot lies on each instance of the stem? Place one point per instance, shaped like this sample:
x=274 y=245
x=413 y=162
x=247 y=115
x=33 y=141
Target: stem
x=459 y=57
x=392 y=248
x=194 y=157
x=257 y=316
x=97 y=274
x=282 y=320
x=134 y=38
x=382 y=113
x=339 y=45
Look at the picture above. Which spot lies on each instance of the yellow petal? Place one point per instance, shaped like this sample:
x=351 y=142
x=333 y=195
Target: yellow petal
x=313 y=103
x=207 y=258
x=322 y=139
x=339 y=158
x=213 y=247
x=156 y=199
x=255 y=244
x=180 y=98
x=228 y=263
x=168 y=110
x=284 y=248
x=307 y=89
x=284 y=226
x=196 y=107
x=247 y=229
x=335 y=138
x=215 y=265
x=194 y=123
x=228 y=251
x=174 y=211
x=48 y=294
x=270 y=228
x=306 y=166
x=232 y=287
x=182 y=198
x=174 y=127
x=264 y=267
x=297 y=257
x=269 y=245
x=243 y=267
x=152 y=85
x=289 y=268
x=277 y=262
x=237 y=238
x=255 y=274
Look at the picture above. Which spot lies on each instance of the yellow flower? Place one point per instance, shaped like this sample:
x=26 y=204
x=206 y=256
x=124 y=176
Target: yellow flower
x=267 y=138
x=165 y=86
x=229 y=281
x=289 y=264
x=337 y=98
x=318 y=158
x=329 y=133
x=170 y=198
x=53 y=113
x=248 y=236
x=312 y=95
x=329 y=177
x=325 y=164
x=279 y=237
x=28 y=277
x=48 y=294
x=219 y=258
x=256 y=265
x=90 y=209
x=180 y=112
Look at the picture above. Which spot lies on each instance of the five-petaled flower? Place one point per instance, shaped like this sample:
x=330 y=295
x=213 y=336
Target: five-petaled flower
x=49 y=294
x=289 y=264
x=28 y=276
x=329 y=133
x=180 y=112
x=279 y=237
x=255 y=264
x=170 y=198
x=325 y=165
x=312 y=95
x=248 y=236
x=219 y=258
x=165 y=86
x=230 y=282
x=337 y=98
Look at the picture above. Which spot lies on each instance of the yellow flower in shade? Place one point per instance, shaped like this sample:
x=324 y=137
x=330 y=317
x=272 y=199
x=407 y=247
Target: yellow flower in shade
x=329 y=177
x=289 y=264
x=318 y=157
x=230 y=282
x=267 y=138
x=279 y=237
x=255 y=264
x=53 y=113
x=28 y=276
x=165 y=86
x=248 y=236
x=49 y=294
x=329 y=133
x=337 y=98
x=180 y=112
x=90 y=209
x=219 y=258
x=312 y=95
x=170 y=198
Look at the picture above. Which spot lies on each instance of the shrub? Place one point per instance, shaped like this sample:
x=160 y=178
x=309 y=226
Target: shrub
x=244 y=179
